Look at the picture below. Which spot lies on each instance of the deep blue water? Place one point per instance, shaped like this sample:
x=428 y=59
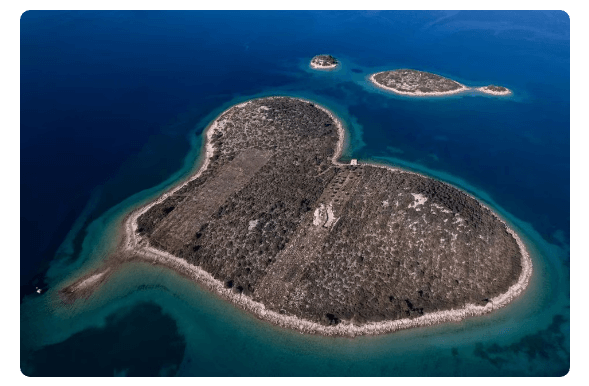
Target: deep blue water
x=112 y=103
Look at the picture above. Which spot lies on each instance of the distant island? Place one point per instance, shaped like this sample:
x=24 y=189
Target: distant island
x=273 y=222
x=413 y=82
x=421 y=83
x=324 y=62
x=494 y=90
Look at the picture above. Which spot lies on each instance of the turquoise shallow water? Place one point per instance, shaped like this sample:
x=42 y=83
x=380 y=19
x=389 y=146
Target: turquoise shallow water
x=222 y=340
x=511 y=153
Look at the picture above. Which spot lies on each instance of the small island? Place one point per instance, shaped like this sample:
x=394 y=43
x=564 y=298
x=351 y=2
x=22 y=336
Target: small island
x=421 y=83
x=416 y=83
x=494 y=90
x=275 y=223
x=324 y=62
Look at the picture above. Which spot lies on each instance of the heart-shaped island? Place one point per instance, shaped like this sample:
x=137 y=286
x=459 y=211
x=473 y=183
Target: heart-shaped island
x=274 y=223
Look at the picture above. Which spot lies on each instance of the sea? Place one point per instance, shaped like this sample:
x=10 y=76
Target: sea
x=113 y=107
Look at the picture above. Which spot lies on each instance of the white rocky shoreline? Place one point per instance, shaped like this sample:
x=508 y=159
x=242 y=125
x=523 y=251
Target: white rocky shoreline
x=319 y=67
x=138 y=246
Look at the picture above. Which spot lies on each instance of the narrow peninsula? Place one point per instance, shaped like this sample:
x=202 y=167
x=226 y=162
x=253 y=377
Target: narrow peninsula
x=324 y=62
x=421 y=83
x=273 y=222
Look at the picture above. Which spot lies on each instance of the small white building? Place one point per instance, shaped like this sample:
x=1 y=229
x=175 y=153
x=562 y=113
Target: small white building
x=354 y=162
